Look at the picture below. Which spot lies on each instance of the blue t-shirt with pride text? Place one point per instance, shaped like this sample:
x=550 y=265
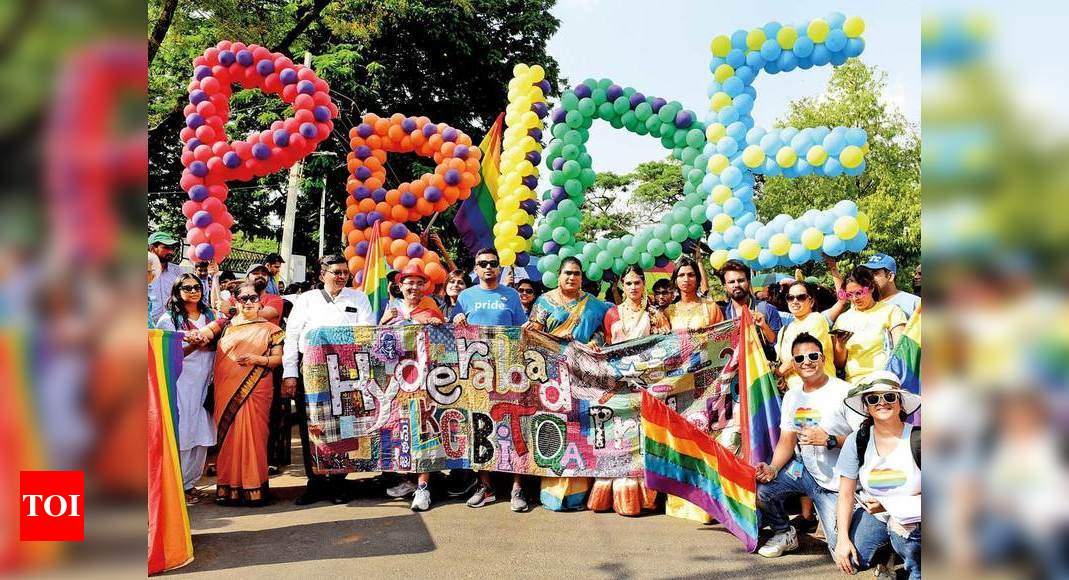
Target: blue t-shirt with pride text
x=498 y=307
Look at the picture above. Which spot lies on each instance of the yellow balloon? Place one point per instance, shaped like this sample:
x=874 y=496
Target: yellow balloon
x=755 y=38
x=846 y=227
x=812 y=238
x=749 y=249
x=507 y=256
x=520 y=70
x=753 y=156
x=721 y=193
x=723 y=72
x=786 y=37
x=718 y=163
x=779 y=244
x=816 y=155
x=719 y=100
x=715 y=131
x=854 y=26
x=718 y=259
x=721 y=222
x=536 y=73
x=721 y=46
x=863 y=221
x=851 y=156
x=818 y=30
x=786 y=157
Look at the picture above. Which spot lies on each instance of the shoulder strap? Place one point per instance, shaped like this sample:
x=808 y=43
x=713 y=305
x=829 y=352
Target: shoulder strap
x=915 y=444
x=861 y=439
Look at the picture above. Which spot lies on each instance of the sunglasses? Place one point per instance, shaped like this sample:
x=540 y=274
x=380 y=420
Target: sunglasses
x=797 y=297
x=487 y=264
x=191 y=288
x=663 y=292
x=338 y=273
x=525 y=291
x=875 y=398
x=844 y=295
x=248 y=298
x=812 y=356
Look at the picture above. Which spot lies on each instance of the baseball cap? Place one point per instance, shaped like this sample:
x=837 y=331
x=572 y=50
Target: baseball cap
x=881 y=261
x=255 y=267
x=162 y=237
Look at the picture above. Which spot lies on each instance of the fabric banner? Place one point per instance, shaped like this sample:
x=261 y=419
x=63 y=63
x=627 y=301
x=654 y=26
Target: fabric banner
x=434 y=397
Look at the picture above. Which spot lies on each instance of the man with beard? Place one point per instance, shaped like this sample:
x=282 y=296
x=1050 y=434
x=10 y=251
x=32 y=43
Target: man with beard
x=736 y=279
x=163 y=245
x=271 y=304
x=884 y=269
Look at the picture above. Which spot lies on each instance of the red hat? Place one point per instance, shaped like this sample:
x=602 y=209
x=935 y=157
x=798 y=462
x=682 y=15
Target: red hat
x=411 y=271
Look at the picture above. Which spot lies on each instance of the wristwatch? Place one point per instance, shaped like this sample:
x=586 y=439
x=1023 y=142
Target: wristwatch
x=832 y=442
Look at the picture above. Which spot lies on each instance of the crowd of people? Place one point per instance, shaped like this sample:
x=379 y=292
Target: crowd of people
x=848 y=446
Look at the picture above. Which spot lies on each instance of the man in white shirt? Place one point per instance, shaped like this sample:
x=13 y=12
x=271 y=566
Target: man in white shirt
x=813 y=427
x=163 y=245
x=334 y=305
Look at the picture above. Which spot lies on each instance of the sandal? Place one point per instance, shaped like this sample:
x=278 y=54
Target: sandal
x=191 y=498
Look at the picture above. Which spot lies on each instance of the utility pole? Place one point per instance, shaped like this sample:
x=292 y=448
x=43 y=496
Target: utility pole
x=293 y=190
x=323 y=218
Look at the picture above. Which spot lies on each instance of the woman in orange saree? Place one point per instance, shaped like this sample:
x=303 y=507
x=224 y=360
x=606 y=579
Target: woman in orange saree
x=248 y=349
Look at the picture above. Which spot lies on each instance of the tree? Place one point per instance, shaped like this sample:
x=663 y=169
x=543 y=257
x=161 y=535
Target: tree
x=600 y=218
x=889 y=189
x=660 y=185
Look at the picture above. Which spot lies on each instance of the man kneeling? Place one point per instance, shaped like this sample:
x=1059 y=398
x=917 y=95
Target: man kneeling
x=812 y=430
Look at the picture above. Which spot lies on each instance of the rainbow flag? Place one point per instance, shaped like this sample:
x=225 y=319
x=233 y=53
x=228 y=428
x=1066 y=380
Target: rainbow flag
x=683 y=461
x=758 y=396
x=477 y=216
x=373 y=282
x=906 y=358
x=169 y=543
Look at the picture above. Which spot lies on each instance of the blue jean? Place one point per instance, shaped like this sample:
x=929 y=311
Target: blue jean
x=771 y=495
x=870 y=536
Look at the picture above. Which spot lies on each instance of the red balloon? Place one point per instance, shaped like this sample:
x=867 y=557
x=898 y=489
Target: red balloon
x=210 y=85
x=223 y=45
x=222 y=249
x=197 y=236
x=189 y=208
x=218 y=191
x=216 y=232
x=289 y=92
x=272 y=84
x=188 y=180
x=213 y=206
x=211 y=56
x=202 y=153
x=227 y=220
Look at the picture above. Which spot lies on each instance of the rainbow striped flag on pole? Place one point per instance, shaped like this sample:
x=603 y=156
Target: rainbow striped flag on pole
x=683 y=461
x=906 y=358
x=477 y=216
x=758 y=396
x=169 y=543
x=373 y=282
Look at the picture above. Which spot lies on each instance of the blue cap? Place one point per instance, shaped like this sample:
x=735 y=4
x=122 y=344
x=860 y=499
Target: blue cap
x=881 y=261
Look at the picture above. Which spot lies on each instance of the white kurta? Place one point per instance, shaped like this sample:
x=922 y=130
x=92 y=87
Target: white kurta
x=195 y=426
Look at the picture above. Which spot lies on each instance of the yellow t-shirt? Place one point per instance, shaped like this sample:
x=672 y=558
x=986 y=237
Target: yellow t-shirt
x=816 y=324
x=870 y=346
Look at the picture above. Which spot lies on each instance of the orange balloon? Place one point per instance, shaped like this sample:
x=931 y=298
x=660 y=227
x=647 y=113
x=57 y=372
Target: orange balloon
x=434 y=142
x=370 y=118
x=366 y=205
x=423 y=207
x=374 y=182
x=382 y=127
x=399 y=262
x=379 y=154
x=347 y=227
x=374 y=142
x=457 y=164
x=397 y=118
x=383 y=208
x=384 y=230
x=468 y=180
x=442 y=205
x=350 y=211
x=395 y=133
x=435 y=272
x=355 y=263
x=353 y=164
x=373 y=164
x=447 y=149
x=411 y=238
x=349 y=252
x=417 y=262
x=399 y=213
x=353 y=134
x=354 y=237
x=398 y=247
x=470 y=165
x=393 y=197
x=431 y=256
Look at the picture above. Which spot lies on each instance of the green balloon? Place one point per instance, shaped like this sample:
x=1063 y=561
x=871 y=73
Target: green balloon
x=570 y=151
x=696 y=231
x=646 y=260
x=672 y=250
x=549 y=279
x=616 y=123
x=544 y=230
x=697 y=214
x=573 y=187
x=553 y=150
x=603 y=260
x=629 y=120
x=695 y=176
x=630 y=255
x=572 y=223
x=568 y=100
x=678 y=233
x=640 y=128
x=653 y=125
x=574 y=119
x=680 y=213
x=604 y=83
x=555 y=219
x=643 y=111
x=559 y=130
x=566 y=252
x=556 y=177
x=595 y=274
x=591 y=82
x=695 y=138
x=585 y=159
x=621 y=105
x=615 y=248
x=668 y=141
x=552 y=263
x=666 y=114
x=689 y=155
x=655 y=247
x=587 y=177
x=680 y=138
x=567 y=208
x=598 y=96
x=561 y=235
x=571 y=169
x=586 y=107
x=660 y=232
x=605 y=111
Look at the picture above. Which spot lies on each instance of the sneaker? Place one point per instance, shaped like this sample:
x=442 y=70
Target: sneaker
x=421 y=501
x=780 y=544
x=518 y=503
x=462 y=484
x=401 y=489
x=483 y=496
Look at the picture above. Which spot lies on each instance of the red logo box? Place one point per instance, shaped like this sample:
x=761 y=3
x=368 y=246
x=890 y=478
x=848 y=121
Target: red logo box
x=51 y=506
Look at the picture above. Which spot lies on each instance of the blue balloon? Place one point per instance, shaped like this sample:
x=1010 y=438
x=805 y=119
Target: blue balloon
x=733 y=207
x=744 y=194
x=733 y=254
x=837 y=58
x=771 y=50
x=772 y=67
x=745 y=219
x=834 y=144
x=736 y=58
x=821 y=55
x=798 y=254
x=716 y=241
x=803 y=168
x=762 y=235
x=770 y=142
x=836 y=41
x=794 y=229
x=712 y=210
x=733 y=235
x=744 y=103
x=771 y=169
x=755 y=60
x=747 y=74
x=854 y=47
x=727 y=146
x=733 y=86
x=835 y=19
x=731 y=176
x=801 y=143
x=772 y=29
x=832 y=168
x=803 y=47
x=845 y=207
x=728 y=115
x=737 y=131
x=787 y=61
x=787 y=133
x=858 y=242
x=767 y=259
x=833 y=246
x=751 y=228
x=713 y=88
x=856 y=136
x=825 y=221
x=753 y=136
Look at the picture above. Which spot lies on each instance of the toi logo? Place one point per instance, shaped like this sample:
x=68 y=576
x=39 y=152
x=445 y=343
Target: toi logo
x=51 y=506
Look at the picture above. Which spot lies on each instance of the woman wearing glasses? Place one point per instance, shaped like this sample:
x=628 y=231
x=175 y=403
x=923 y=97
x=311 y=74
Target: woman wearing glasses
x=880 y=473
x=528 y=291
x=875 y=326
x=801 y=302
x=249 y=348
x=187 y=311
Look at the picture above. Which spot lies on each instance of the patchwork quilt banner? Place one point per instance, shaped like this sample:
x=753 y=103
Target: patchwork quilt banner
x=432 y=397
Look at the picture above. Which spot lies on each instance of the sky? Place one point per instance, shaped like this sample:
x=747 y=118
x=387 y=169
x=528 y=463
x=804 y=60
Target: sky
x=662 y=49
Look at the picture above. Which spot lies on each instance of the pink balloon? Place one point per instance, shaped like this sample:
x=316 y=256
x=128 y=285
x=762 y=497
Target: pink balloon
x=213 y=206
x=222 y=250
x=197 y=236
x=189 y=208
x=216 y=232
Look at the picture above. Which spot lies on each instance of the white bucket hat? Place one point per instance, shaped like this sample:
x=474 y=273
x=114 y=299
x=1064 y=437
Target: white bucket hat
x=881 y=382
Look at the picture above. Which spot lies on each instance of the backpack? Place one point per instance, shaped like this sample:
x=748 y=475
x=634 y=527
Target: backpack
x=861 y=438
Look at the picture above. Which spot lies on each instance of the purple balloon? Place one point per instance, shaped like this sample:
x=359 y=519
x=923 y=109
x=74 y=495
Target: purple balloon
x=201 y=72
x=265 y=67
x=558 y=194
x=614 y=92
x=432 y=194
x=661 y=261
x=544 y=85
x=196 y=96
x=550 y=247
x=540 y=109
x=522 y=259
x=204 y=251
x=362 y=152
x=309 y=130
x=198 y=193
x=409 y=125
x=360 y=220
x=684 y=119
x=359 y=279
x=198 y=168
x=362 y=173
x=408 y=199
x=231 y=160
x=460 y=151
x=398 y=231
x=525 y=231
x=322 y=114
x=202 y=219
x=364 y=130
x=452 y=177
x=226 y=57
x=547 y=206
x=361 y=193
x=193 y=144
x=558 y=115
x=306 y=87
x=534 y=157
x=244 y=57
x=529 y=205
x=416 y=250
x=530 y=181
x=261 y=151
x=361 y=248
x=657 y=103
x=281 y=137
x=288 y=76
x=449 y=134
x=557 y=164
x=373 y=217
x=637 y=99
x=379 y=195
x=582 y=91
x=195 y=120
x=429 y=129
x=535 y=134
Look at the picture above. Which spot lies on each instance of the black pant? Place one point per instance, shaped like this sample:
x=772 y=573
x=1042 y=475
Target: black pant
x=322 y=484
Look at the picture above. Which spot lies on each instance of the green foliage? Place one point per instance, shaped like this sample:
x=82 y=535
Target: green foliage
x=889 y=189
x=256 y=244
x=660 y=185
x=600 y=219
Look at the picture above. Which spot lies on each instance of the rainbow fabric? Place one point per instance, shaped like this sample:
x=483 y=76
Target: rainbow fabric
x=169 y=543
x=906 y=358
x=886 y=479
x=758 y=396
x=477 y=216
x=375 y=269
x=683 y=461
